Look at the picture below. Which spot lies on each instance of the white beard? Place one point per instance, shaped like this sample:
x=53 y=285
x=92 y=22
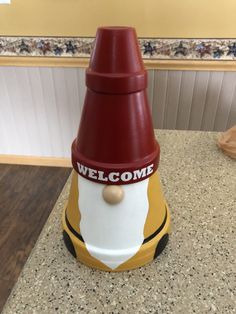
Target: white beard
x=112 y=233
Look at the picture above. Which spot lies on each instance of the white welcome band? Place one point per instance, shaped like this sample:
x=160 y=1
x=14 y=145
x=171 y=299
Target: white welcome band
x=115 y=176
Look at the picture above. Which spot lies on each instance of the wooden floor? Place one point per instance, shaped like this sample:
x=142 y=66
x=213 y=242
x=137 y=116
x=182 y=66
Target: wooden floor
x=27 y=196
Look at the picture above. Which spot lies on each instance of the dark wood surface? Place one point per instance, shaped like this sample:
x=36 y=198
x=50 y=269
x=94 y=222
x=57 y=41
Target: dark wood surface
x=27 y=196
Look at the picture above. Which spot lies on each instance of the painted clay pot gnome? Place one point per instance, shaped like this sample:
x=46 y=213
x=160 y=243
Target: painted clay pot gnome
x=116 y=218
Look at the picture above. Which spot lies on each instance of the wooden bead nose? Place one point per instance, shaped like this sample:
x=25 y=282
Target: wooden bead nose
x=113 y=194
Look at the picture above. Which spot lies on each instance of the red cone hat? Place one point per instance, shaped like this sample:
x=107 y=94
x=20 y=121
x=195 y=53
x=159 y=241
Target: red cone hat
x=115 y=142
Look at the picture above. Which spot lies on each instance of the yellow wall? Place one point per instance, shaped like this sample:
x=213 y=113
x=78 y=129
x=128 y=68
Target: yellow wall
x=152 y=18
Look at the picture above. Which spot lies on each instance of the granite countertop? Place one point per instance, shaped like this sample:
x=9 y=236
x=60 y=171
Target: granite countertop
x=195 y=274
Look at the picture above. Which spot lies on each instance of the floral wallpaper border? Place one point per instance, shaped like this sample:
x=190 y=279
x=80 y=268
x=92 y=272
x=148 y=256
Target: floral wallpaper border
x=151 y=48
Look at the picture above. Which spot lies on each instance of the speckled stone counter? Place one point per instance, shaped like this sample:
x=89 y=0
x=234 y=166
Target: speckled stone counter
x=195 y=274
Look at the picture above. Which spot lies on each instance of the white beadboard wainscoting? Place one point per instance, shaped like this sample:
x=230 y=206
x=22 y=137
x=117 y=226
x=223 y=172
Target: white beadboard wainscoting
x=40 y=108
